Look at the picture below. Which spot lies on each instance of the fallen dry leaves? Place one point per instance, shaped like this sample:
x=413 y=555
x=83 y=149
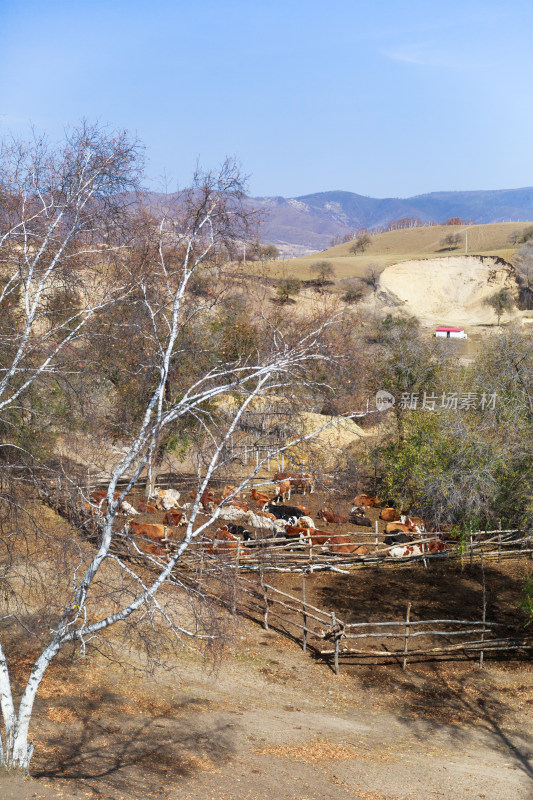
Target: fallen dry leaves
x=379 y=796
x=194 y=763
x=315 y=750
x=56 y=714
x=323 y=750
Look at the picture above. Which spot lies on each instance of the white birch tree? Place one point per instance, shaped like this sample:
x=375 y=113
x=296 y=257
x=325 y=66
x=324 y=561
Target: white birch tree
x=45 y=232
x=63 y=219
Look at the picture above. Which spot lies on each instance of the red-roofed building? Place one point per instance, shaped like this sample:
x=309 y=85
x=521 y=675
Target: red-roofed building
x=444 y=332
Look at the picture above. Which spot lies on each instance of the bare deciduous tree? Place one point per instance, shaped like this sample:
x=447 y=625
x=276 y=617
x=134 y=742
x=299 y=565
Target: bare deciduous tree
x=323 y=270
x=361 y=243
x=64 y=221
x=451 y=241
x=371 y=276
x=63 y=215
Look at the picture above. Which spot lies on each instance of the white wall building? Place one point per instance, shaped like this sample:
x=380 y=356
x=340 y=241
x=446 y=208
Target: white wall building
x=450 y=333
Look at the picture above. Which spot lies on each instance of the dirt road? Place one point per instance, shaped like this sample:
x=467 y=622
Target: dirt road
x=271 y=723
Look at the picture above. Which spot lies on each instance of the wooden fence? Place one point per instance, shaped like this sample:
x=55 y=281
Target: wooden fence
x=330 y=638
x=220 y=579
x=281 y=555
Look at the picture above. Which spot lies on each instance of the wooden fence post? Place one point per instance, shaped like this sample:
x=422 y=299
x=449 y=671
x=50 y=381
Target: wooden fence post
x=265 y=597
x=424 y=560
x=304 y=647
x=235 y=580
x=377 y=542
x=484 y=613
x=499 y=542
x=471 y=553
x=310 y=556
x=337 y=639
x=406 y=639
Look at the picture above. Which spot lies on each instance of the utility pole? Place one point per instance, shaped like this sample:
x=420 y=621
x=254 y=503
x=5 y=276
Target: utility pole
x=466 y=242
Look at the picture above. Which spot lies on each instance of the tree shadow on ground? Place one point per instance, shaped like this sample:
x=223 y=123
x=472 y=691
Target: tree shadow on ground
x=133 y=755
x=444 y=591
x=459 y=705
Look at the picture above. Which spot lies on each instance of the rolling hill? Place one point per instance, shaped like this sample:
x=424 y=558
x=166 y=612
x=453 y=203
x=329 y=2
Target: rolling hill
x=406 y=245
x=418 y=275
x=310 y=222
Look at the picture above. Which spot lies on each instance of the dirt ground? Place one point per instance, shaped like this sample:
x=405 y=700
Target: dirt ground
x=270 y=722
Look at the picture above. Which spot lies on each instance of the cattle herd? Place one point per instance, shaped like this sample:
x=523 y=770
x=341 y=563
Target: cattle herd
x=250 y=522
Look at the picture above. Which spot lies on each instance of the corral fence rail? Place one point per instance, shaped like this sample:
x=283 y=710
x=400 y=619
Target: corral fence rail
x=314 y=627
x=276 y=554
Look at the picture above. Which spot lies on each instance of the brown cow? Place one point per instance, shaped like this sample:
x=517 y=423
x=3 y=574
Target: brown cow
x=283 y=490
x=298 y=480
x=207 y=497
x=238 y=504
x=389 y=515
x=281 y=476
x=174 y=518
x=261 y=498
x=366 y=501
x=415 y=523
x=391 y=527
x=146 y=508
x=329 y=516
x=303 y=483
x=319 y=537
x=297 y=531
x=98 y=495
x=154 y=536
x=340 y=545
x=222 y=542
x=99 y=498
x=336 y=543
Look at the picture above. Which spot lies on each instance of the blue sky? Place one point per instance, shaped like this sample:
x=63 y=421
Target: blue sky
x=386 y=98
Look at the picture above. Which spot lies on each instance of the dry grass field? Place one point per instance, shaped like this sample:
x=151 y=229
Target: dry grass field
x=405 y=245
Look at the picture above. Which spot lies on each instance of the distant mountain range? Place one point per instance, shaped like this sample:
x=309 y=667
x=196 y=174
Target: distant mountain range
x=310 y=222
